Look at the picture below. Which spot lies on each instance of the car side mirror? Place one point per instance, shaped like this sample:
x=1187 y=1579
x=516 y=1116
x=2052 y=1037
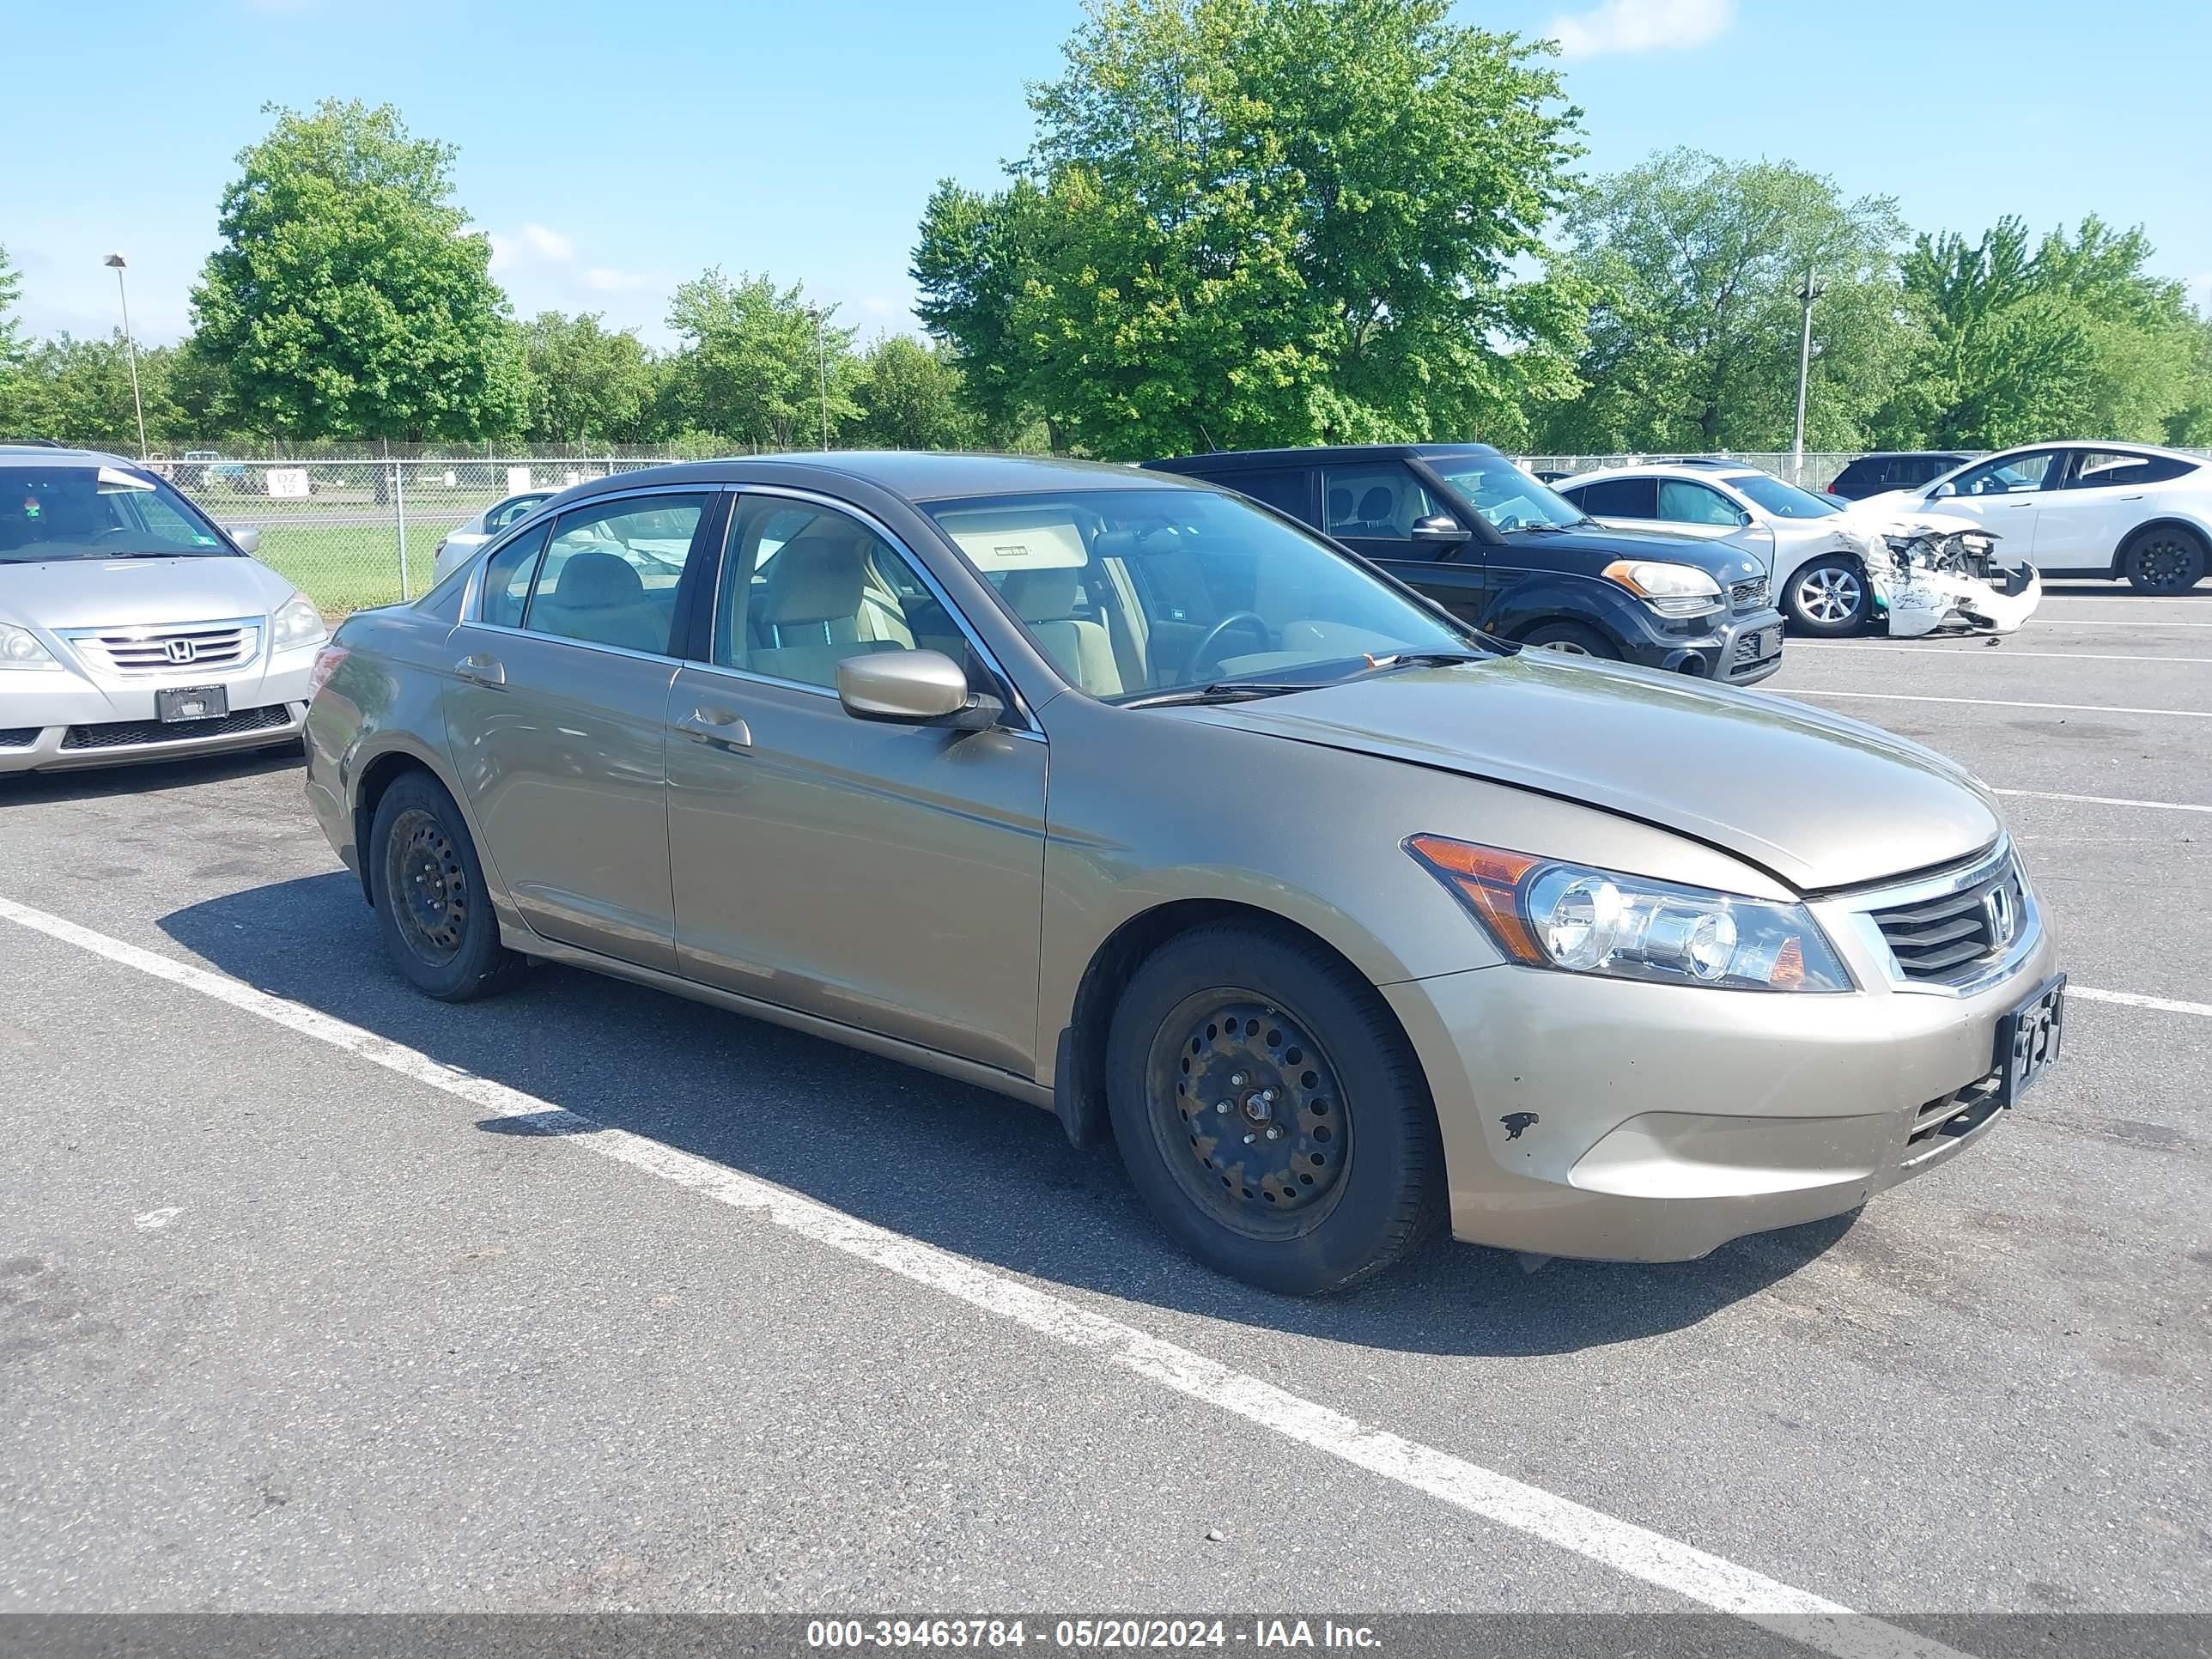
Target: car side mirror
x=1438 y=527
x=1943 y=492
x=913 y=688
x=247 y=536
x=1743 y=518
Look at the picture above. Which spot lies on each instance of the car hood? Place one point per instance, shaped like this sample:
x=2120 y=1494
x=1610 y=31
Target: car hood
x=1818 y=800
x=1721 y=560
x=137 y=592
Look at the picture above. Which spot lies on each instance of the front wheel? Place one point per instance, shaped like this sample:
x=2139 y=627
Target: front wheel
x=1828 y=597
x=2164 y=559
x=436 y=915
x=1571 y=639
x=1270 y=1112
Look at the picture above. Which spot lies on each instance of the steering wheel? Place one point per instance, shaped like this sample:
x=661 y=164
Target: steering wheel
x=1203 y=651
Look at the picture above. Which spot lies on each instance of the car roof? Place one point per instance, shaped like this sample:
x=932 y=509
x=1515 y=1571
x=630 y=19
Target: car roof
x=1909 y=454
x=42 y=454
x=1703 y=471
x=1240 y=460
x=916 y=475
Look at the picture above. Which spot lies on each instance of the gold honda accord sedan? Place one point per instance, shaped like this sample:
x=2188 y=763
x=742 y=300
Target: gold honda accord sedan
x=1134 y=800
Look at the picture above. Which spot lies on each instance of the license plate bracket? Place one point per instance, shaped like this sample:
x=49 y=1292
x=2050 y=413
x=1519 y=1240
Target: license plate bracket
x=178 y=703
x=2030 y=1036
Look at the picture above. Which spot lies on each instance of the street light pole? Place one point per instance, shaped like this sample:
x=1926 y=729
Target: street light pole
x=1809 y=292
x=822 y=370
x=115 y=262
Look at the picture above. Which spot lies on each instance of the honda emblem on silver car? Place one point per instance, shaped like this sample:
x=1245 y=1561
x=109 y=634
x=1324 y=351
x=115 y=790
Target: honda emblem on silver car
x=181 y=651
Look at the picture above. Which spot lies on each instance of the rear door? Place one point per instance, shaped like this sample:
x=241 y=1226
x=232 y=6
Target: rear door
x=888 y=878
x=556 y=712
x=2106 y=493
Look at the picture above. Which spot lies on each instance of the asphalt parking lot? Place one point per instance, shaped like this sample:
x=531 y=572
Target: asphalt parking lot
x=314 y=1295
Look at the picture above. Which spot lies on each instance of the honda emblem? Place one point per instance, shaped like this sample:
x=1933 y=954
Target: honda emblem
x=180 y=651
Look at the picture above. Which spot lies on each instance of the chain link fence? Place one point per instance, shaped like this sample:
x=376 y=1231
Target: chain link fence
x=350 y=534
x=1814 y=470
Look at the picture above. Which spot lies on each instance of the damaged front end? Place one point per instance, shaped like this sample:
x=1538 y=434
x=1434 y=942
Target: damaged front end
x=1934 y=577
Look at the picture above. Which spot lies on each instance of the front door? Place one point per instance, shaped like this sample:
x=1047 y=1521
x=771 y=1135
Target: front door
x=2005 y=497
x=556 y=717
x=2079 y=525
x=890 y=877
x=1372 y=508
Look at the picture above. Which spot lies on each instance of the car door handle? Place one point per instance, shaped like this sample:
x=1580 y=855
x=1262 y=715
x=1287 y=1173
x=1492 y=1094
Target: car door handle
x=480 y=669
x=2130 y=498
x=722 y=727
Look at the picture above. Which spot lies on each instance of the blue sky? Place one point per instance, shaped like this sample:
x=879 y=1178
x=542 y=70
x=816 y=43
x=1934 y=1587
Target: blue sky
x=613 y=151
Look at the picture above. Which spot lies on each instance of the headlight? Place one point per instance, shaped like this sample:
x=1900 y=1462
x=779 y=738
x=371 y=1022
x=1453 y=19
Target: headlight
x=1675 y=590
x=297 y=623
x=20 y=648
x=1545 y=914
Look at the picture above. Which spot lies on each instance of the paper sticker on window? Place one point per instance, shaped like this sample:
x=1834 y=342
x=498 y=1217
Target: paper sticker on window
x=1017 y=538
x=111 y=481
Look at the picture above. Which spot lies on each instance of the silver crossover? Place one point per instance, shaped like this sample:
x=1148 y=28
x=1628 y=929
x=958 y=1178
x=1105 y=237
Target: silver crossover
x=1130 y=799
x=132 y=627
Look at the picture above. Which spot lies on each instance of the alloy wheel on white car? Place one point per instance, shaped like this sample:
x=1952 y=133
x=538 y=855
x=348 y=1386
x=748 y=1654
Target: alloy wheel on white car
x=1829 y=598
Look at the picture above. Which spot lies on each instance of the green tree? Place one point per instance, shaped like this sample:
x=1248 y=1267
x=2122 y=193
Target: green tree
x=909 y=397
x=1693 y=342
x=79 y=391
x=760 y=364
x=588 y=384
x=348 y=295
x=1247 y=221
x=12 y=350
x=2073 y=336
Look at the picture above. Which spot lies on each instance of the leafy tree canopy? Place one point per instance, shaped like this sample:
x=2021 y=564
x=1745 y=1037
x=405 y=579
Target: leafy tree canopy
x=588 y=384
x=348 y=295
x=760 y=364
x=1250 y=221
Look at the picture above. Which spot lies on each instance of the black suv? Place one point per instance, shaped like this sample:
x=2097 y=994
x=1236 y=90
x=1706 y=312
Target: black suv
x=1474 y=532
x=1893 y=469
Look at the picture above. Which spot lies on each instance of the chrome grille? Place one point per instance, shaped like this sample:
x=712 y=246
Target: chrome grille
x=1948 y=938
x=182 y=647
x=1748 y=595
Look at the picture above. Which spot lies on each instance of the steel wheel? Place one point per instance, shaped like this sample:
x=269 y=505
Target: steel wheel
x=2165 y=561
x=1830 y=594
x=429 y=885
x=1249 y=1113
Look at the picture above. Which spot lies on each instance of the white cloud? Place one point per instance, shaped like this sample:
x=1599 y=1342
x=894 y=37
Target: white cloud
x=1640 y=26
x=532 y=245
x=606 y=279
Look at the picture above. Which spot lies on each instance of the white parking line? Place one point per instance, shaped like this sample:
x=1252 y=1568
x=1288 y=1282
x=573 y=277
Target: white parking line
x=2104 y=800
x=2132 y=1000
x=1620 y=1545
x=1986 y=655
x=1999 y=702
x=2086 y=622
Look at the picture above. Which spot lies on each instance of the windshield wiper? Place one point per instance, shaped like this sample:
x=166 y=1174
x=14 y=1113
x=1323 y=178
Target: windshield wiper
x=1224 y=691
x=1419 y=660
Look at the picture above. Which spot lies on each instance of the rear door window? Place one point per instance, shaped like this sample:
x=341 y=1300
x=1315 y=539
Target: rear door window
x=1616 y=498
x=610 y=571
x=1682 y=501
x=1381 y=501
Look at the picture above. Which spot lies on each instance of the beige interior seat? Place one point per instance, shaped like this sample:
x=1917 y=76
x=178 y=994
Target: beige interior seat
x=1045 y=600
x=600 y=596
x=816 y=610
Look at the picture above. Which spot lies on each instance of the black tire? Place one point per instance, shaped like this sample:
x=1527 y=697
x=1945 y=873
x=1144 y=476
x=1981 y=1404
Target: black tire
x=1354 y=1177
x=445 y=942
x=1828 y=597
x=2164 y=558
x=1573 y=639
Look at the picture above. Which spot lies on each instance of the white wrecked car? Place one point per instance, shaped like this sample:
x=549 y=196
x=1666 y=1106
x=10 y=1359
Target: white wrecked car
x=1936 y=572
x=1834 y=565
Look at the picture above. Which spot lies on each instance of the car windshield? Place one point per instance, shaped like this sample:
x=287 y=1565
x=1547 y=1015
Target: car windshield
x=1145 y=593
x=1508 y=497
x=93 y=511
x=1785 y=500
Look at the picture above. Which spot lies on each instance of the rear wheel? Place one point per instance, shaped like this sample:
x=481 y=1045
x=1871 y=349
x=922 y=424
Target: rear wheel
x=2163 y=559
x=438 y=925
x=1828 y=597
x=1270 y=1114
x=1571 y=639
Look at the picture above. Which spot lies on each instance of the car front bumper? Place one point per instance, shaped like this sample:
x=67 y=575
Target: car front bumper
x=1738 y=650
x=52 y=721
x=1587 y=1116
